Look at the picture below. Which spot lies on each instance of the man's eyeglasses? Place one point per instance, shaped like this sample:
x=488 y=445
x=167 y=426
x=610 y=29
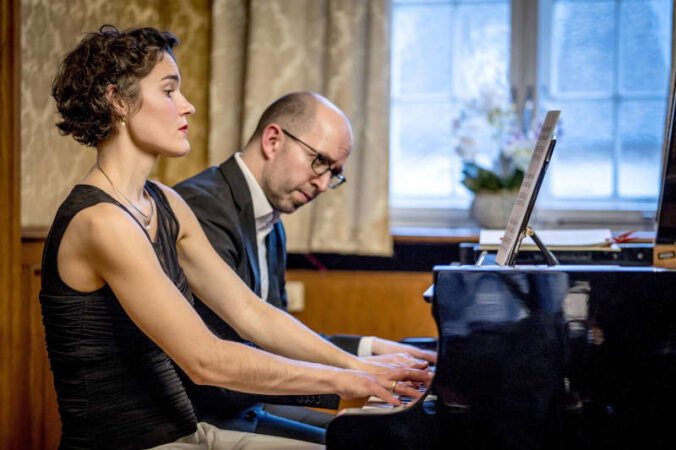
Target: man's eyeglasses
x=321 y=164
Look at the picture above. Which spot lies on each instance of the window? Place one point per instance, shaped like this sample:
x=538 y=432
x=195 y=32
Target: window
x=604 y=63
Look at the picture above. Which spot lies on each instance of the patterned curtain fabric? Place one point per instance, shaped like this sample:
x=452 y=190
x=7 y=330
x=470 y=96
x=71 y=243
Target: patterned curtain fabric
x=262 y=49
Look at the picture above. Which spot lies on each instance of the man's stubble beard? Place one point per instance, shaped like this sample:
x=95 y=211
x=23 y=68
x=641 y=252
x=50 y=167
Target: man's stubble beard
x=277 y=201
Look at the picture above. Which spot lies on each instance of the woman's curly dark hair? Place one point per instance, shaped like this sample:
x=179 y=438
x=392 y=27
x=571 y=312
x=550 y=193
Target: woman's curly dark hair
x=108 y=57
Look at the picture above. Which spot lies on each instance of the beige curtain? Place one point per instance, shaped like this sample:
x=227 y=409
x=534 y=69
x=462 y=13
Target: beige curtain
x=262 y=49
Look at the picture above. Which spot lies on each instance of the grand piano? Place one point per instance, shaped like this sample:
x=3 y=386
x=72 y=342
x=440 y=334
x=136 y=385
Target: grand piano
x=545 y=357
x=540 y=357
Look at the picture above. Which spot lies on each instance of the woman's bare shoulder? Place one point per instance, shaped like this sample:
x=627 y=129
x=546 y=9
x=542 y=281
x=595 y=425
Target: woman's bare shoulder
x=174 y=198
x=99 y=223
x=95 y=237
x=182 y=211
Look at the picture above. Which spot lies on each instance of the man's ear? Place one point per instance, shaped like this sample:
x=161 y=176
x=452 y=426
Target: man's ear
x=114 y=99
x=271 y=140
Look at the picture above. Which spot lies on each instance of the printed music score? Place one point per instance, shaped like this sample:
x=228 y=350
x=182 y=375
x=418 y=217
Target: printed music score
x=525 y=199
x=560 y=240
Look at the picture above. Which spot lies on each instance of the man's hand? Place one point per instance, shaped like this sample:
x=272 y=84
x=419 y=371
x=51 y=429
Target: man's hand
x=398 y=360
x=386 y=347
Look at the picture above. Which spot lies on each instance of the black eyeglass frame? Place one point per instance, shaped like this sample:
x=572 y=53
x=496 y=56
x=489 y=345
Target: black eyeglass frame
x=337 y=178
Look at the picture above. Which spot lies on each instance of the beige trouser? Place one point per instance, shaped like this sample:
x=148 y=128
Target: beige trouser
x=208 y=437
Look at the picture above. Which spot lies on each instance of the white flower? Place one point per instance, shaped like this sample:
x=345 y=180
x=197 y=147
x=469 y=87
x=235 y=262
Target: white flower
x=467 y=148
x=519 y=151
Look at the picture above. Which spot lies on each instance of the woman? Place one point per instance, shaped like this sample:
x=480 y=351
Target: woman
x=123 y=255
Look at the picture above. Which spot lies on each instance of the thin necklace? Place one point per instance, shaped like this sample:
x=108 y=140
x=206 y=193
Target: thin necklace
x=147 y=218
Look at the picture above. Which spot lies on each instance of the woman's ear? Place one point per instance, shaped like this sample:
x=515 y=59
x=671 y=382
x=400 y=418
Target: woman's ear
x=112 y=96
x=271 y=140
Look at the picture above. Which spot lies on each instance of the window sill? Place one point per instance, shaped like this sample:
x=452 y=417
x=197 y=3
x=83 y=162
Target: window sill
x=402 y=235
x=435 y=235
x=452 y=224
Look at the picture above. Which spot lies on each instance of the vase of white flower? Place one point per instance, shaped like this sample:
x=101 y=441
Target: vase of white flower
x=491 y=209
x=495 y=153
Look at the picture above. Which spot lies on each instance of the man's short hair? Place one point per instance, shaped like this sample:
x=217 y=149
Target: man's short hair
x=295 y=111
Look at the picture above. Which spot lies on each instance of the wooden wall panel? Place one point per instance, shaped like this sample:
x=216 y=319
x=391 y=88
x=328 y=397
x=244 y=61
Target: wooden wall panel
x=34 y=416
x=384 y=304
x=39 y=411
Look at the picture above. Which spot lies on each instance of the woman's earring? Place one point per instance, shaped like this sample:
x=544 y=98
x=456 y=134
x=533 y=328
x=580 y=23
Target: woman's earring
x=122 y=122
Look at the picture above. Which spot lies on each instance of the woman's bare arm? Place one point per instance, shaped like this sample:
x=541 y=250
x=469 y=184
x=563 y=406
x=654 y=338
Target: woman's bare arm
x=118 y=251
x=253 y=319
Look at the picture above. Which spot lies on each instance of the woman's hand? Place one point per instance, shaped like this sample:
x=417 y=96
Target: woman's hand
x=384 y=384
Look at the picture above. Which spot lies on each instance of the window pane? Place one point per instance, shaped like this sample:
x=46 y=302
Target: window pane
x=645 y=46
x=422 y=151
x=641 y=125
x=581 y=165
x=421 y=40
x=582 y=47
x=608 y=73
x=480 y=48
x=443 y=55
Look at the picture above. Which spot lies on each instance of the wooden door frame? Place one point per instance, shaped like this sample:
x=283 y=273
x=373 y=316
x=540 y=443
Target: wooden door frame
x=10 y=215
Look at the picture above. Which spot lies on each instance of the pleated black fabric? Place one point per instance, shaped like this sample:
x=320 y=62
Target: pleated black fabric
x=116 y=389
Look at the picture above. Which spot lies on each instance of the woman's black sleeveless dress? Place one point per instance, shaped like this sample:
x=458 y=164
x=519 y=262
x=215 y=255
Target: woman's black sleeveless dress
x=115 y=388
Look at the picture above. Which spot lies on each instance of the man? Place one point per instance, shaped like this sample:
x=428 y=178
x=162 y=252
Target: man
x=297 y=152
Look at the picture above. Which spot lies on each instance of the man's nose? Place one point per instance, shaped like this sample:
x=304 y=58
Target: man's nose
x=321 y=182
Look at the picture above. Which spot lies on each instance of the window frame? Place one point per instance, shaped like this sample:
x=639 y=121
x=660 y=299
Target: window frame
x=526 y=18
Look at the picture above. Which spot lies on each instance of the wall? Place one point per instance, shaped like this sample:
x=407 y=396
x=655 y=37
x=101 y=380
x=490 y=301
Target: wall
x=384 y=304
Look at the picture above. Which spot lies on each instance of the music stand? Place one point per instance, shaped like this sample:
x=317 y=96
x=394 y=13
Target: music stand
x=517 y=226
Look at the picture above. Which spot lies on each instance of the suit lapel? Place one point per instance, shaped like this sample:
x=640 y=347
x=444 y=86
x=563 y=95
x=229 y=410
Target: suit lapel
x=240 y=192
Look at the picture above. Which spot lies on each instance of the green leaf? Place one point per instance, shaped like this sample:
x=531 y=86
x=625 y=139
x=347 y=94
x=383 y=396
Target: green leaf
x=477 y=179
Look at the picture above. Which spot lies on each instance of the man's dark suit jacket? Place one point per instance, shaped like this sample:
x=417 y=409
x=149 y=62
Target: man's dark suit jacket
x=220 y=198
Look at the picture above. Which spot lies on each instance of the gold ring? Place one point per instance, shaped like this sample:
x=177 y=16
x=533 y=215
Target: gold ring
x=394 y=385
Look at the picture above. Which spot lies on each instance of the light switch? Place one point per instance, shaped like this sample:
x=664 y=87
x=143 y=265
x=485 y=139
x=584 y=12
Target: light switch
x=295 y=292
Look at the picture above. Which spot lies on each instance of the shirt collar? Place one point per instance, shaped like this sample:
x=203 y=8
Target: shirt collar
x=266 y=216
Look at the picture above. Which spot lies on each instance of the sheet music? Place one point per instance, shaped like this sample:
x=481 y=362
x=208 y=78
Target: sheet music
x=513 y=232
x=561 y=240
